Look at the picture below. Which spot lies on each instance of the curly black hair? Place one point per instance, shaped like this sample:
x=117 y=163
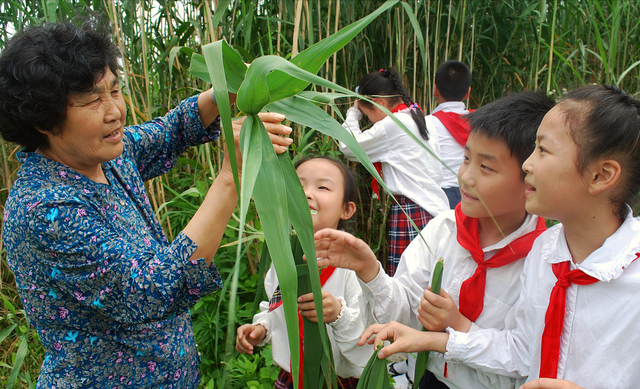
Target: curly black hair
x=40 y=68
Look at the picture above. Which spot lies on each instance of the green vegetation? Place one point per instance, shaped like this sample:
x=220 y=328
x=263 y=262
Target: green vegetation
x=510 y=46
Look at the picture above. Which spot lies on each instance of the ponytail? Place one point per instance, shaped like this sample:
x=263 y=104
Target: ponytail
x=387 y=82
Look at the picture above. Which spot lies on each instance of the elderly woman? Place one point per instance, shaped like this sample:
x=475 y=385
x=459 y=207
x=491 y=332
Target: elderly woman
x=108 y=294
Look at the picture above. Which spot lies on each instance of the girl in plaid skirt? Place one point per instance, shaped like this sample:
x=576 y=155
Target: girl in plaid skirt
x=412 y=173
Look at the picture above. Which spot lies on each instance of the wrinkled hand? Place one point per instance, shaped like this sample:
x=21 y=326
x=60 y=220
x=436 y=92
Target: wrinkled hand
x=437 y=312
x=277 y=134
x=403 y=339
x=330 y=307
x=249 y=336
x=548 y=383
x=341 y=249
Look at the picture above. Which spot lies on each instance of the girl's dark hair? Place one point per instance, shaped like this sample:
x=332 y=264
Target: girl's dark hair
x=387 y=82
x=604 y=122
x=41 y=66
x=350 y=186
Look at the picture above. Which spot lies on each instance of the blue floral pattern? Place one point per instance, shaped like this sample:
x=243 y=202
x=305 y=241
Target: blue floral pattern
x=106 y=291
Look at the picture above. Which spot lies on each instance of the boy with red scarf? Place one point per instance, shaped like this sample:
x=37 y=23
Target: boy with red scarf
x=453 y=85
x=483 y=243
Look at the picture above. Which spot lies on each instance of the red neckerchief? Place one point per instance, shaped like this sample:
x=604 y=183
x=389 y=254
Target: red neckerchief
x=554 y=318
x=375 y=187
x=276 y=301
x=472 y=290
x=456 y=125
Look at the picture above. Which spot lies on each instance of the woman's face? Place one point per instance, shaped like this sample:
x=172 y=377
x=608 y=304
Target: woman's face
x=92 y=130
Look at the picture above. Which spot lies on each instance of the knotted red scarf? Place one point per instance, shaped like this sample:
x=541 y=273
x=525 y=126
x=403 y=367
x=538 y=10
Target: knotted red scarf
x=456 y=125
x=375 y=187
x=472 y=290
x=554 y=318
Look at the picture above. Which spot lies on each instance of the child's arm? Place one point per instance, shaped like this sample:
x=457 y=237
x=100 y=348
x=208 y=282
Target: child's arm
x=548 y=383
x=403 y=339
x=373 y=141
x=386 y=299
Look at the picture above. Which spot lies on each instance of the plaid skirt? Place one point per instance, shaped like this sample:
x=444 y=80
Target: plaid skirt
x=401 y=232
x=285 y=381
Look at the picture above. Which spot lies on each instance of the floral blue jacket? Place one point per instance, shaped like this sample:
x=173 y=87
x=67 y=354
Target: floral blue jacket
x=107 y=293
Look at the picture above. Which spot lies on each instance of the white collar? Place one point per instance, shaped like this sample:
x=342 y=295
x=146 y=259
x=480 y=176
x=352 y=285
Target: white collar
x=450 y=105
x=608 y=261
x=529 y=224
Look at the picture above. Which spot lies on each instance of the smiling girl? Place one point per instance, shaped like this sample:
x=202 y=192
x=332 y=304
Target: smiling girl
x=331 y=191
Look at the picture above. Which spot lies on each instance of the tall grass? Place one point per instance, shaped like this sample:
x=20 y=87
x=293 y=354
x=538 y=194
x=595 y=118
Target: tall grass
x=510 y=45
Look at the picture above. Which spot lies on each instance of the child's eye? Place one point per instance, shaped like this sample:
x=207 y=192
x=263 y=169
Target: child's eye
x=323 y=188
x=466 y=159
x=542 y=149
x=485 y=167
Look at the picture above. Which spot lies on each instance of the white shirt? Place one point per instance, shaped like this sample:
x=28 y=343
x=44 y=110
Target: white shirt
x=599 y=345
x=451 y=152
x=408 y=169
x=398 y=298
x=344 y=333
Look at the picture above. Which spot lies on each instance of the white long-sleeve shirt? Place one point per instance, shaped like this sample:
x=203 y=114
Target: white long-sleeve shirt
x=451 y=152
x=407 y=168
x=398 y=298
x=344 y=333
x=599 y=345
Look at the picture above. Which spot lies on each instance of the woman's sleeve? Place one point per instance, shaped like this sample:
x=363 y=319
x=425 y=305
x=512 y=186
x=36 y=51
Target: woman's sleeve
x=132 y=282
x=373 y=141
x=156 y=145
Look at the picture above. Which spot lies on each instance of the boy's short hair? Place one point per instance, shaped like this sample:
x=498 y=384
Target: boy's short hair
x=453 y=79
x=515 y=118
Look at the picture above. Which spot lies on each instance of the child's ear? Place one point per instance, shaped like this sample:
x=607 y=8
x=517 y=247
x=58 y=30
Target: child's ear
x=603 y=175
x=348 y=211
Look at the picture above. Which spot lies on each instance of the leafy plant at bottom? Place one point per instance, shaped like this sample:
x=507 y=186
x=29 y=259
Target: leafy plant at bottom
x=375 y=374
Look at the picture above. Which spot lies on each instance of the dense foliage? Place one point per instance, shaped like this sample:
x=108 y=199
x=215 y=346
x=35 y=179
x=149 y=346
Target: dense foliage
x=510 y=46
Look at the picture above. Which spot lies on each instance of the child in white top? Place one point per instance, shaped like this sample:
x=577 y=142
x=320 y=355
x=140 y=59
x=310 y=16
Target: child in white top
x=331 y=190
x=575 y=330
x=452 y=86
x=410 y=172
x=492 y=171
